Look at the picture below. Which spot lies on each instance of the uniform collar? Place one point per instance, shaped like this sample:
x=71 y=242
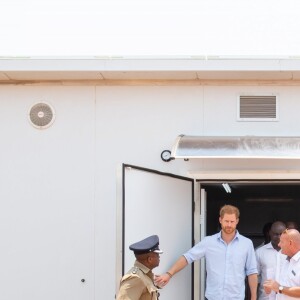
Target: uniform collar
x=143 y=268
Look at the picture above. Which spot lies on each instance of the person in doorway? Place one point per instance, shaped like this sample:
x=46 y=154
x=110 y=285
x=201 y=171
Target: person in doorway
x=292 y=225
x=287 y=286
x=138 y=283
x=266 y=233
x=267 y=259
x=230 y=257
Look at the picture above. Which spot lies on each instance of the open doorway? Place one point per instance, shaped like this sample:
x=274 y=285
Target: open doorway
x=259 y=203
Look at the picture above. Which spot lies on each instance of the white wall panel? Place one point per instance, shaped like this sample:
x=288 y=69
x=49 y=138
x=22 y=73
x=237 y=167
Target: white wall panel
x=220 y=118
x=134 y=124
x=220 y=107
x=47 y=199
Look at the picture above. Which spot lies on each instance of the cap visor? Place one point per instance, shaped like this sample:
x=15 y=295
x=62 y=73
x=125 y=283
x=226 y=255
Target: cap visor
x=158 y=251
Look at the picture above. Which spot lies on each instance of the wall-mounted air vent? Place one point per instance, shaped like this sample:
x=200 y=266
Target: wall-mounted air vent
x=41 y=115
x=257 y=108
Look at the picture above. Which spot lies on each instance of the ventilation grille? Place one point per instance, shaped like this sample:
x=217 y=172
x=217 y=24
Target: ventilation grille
x=258 y=108
x=41 y=115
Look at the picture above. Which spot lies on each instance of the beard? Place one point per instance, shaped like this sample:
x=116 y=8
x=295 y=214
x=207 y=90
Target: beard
x=228 y=230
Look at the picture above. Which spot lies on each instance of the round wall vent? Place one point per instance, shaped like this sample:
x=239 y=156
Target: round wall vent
x=41 y=115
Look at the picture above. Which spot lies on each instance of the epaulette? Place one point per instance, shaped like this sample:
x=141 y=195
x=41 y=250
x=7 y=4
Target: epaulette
x=134 y=270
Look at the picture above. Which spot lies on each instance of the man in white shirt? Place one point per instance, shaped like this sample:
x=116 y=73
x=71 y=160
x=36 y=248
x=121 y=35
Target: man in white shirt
x=267 y=259
x=288 y=285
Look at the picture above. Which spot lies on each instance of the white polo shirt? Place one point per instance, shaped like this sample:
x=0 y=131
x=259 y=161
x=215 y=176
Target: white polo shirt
x=266 y=257
x=290 y=275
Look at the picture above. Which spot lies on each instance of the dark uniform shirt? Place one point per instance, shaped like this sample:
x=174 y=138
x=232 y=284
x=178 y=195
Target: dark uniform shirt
x=138 y=284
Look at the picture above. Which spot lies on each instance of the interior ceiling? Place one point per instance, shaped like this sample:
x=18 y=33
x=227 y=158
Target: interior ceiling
x=258 y=191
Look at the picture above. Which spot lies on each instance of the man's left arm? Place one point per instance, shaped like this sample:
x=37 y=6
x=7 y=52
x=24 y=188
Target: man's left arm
x=252 y=280
x=251 y=271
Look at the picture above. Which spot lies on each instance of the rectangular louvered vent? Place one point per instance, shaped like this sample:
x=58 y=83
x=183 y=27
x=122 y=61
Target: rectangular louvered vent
x=257 y=108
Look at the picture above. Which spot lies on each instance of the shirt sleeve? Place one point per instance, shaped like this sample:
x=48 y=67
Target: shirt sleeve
x=258 y=254
x=197 y=252
x=251 y=264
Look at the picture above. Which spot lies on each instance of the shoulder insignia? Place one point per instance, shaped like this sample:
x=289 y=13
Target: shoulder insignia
x=134 y=270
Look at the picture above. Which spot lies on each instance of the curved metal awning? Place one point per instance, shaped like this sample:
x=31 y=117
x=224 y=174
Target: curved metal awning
x=236 y=147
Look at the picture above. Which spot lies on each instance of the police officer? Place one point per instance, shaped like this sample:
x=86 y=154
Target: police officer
x=138 y=283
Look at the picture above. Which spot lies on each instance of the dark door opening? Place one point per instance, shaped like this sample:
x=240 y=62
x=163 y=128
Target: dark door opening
x=259 y=203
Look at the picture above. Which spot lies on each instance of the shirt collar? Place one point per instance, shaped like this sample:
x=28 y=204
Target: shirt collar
x=296 y=257
x=143 y=268
x=269 y=246
x=219 y=235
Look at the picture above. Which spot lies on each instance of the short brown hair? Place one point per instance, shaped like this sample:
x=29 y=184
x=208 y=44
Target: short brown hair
x=229 y=209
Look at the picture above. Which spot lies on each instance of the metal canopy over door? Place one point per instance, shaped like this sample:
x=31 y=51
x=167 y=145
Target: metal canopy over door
x=159 y=203
x=263 y=147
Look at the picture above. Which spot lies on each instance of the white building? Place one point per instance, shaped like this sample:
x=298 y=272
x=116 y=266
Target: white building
x=76 y=193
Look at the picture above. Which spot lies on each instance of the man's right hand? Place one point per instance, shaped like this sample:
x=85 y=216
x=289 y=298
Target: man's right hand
x=271 y=285
x=161 y=280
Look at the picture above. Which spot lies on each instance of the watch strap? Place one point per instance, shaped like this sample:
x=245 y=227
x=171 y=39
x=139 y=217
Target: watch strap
x=280 y=289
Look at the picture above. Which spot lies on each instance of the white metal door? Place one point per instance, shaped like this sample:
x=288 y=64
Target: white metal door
x=162 y=204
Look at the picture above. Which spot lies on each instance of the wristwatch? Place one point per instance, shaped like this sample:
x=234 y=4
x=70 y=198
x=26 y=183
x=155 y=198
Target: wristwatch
x=280 y=289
